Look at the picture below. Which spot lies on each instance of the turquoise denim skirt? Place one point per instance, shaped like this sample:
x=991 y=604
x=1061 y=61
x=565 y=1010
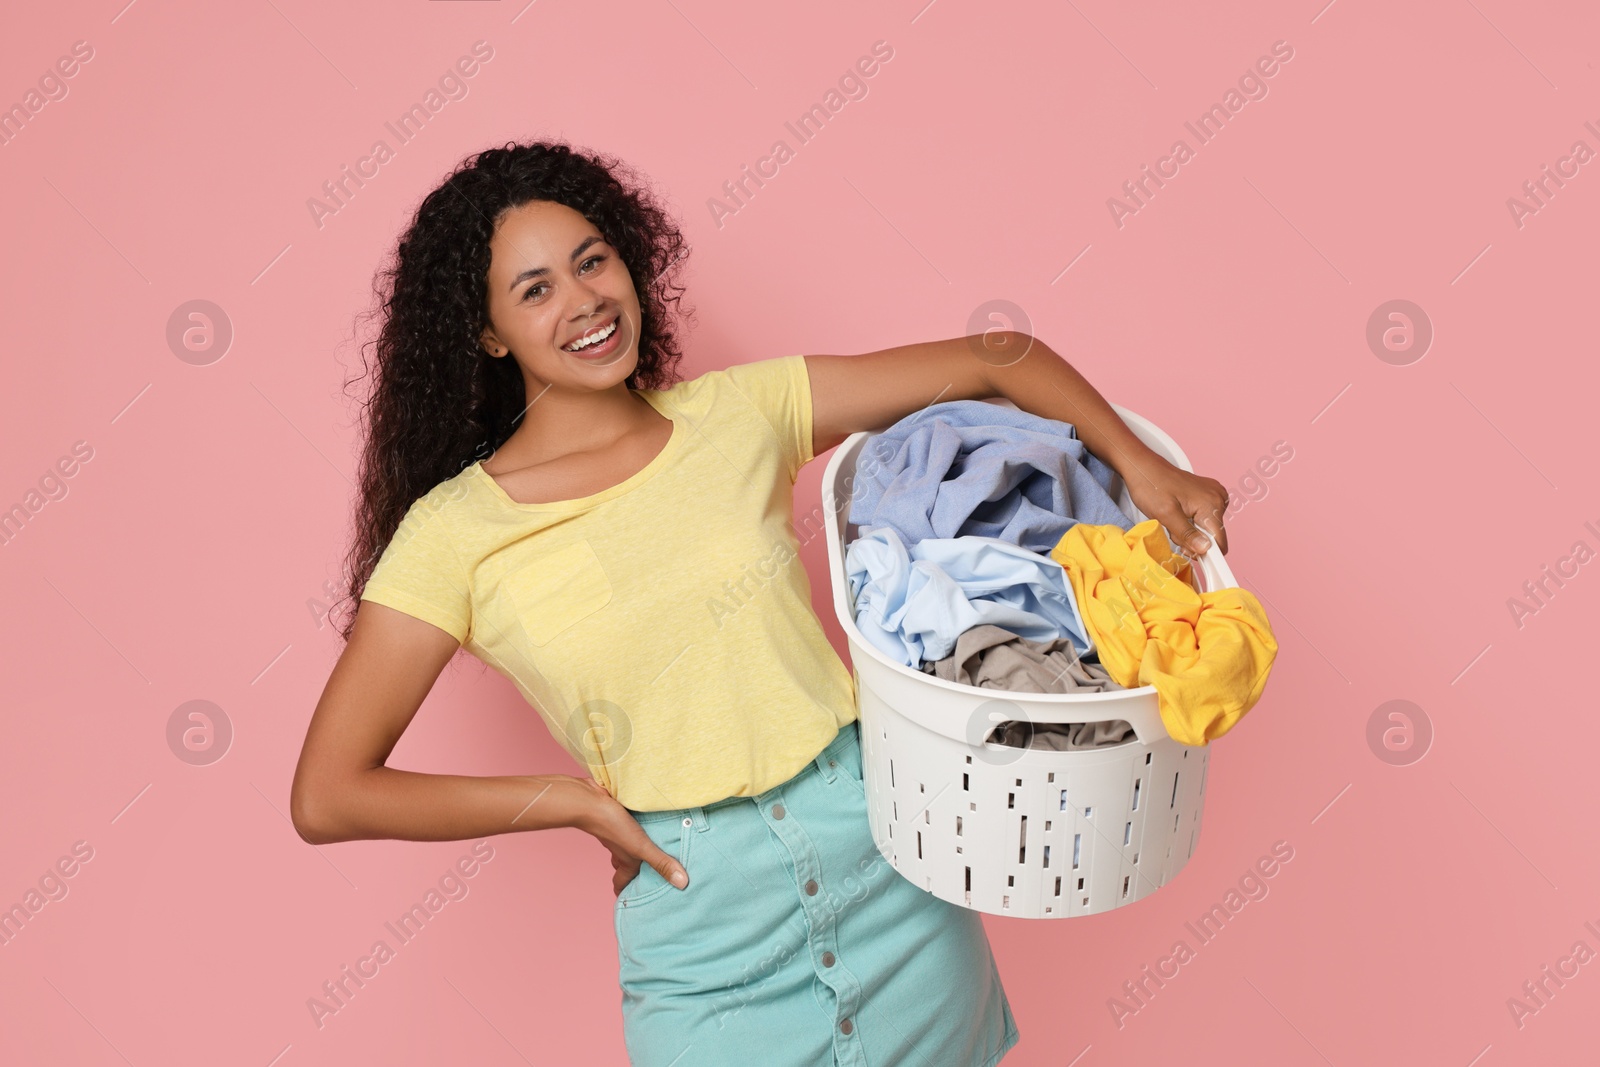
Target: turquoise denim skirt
x=797 y=943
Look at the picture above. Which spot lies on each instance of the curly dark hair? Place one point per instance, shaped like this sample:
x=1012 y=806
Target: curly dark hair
x=439 y=402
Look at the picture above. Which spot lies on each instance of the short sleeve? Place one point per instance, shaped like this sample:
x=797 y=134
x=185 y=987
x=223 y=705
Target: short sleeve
x=781 y=390
x=422 y=574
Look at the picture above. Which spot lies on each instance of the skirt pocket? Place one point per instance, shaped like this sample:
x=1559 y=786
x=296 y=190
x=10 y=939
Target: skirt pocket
x=848 y=759
x=648 y=885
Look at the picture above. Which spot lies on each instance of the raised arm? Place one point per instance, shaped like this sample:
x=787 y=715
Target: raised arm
x=874 y=390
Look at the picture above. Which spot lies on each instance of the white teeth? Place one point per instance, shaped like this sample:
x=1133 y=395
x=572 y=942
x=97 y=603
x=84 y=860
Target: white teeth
x=594 y=338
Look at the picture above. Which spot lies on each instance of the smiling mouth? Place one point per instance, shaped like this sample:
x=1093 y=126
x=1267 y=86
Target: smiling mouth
x=592 y=339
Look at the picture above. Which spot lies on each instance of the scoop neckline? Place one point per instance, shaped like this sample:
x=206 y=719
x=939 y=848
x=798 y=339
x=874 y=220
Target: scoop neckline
x=633 y=481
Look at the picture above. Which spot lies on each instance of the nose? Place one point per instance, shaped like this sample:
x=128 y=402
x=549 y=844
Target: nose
x=587 y=301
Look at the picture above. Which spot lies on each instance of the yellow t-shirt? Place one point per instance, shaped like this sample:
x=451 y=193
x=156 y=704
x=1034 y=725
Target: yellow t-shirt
x=663 y=627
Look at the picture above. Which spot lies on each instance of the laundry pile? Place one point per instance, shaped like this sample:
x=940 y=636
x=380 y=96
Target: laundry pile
x=992 y=553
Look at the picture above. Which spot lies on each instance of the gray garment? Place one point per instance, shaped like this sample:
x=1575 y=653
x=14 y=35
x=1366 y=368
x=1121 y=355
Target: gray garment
x=990 y=657
x=1061 y=736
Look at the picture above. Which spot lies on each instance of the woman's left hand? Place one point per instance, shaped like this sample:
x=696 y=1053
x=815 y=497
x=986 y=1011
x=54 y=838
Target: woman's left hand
x=1188 y=505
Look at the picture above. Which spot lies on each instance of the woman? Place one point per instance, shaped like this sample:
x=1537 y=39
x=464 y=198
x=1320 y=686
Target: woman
x=538 y=488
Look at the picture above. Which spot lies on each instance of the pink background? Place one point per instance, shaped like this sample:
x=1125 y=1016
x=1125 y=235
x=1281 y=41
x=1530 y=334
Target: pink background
x=189 y=552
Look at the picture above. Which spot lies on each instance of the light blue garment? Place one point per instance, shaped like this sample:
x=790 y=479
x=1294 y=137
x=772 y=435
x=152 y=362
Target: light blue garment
x=912 y=603
x=797 y=944
x=969 y=467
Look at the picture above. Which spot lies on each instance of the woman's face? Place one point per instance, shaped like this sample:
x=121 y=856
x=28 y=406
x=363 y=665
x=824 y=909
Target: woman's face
x=553 y=279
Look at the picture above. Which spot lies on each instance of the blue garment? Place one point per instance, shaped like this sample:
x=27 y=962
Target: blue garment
x=912 y=603
x=969 y=467
x=797 y=944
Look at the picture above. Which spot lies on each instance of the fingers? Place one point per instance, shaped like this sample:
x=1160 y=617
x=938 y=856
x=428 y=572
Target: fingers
x=1210 y=528
x=1193 y=534
x=666 y=866
x=1189 y=539
x=627 y=869
x=618 y=829
x=1219 y=533
x=1202 y=509
x=1191 y=508
x=661 y=863
x=645 y=850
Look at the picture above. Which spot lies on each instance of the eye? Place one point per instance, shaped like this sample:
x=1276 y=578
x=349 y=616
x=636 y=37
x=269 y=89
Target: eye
x=533 y=290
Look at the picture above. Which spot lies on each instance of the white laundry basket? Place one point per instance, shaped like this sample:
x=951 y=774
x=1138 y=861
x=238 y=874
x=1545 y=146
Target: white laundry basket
x=1029 y=833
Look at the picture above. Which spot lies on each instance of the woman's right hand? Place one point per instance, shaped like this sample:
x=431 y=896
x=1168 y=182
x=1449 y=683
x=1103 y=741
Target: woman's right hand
x=615 y=827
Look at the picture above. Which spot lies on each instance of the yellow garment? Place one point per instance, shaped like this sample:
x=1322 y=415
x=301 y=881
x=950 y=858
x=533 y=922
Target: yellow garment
x=663 y=627
x=1207 y=654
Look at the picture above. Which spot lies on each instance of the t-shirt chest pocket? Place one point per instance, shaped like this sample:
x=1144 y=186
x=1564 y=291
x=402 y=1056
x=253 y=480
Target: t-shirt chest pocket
x=553 y=592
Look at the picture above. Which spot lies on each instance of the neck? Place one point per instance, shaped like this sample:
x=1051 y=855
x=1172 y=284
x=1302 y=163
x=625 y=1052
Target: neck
x=560 y=421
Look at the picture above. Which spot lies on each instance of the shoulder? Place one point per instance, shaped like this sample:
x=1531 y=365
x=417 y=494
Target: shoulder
x=762 y=384
x=770 y=398
x=439 y=512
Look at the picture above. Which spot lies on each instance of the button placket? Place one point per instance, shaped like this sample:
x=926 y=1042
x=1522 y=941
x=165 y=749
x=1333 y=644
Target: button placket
x=823 y=933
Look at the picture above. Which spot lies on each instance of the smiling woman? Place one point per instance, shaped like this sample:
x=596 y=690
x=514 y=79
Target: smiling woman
x=571 y=329
x=539 y=488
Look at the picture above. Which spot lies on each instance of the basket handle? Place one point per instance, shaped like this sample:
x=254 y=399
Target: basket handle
x=1213 y=567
